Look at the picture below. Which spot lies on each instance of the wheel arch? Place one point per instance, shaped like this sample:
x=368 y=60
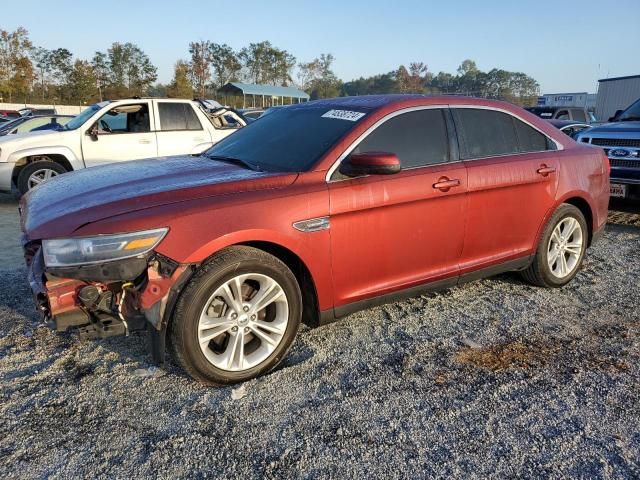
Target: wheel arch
x=61 y=155
x=578 y=200
x=584 y=207
x=310 y=308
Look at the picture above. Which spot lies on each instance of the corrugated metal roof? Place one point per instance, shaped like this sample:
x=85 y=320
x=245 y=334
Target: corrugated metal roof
x=268 y=90
x=628 y=77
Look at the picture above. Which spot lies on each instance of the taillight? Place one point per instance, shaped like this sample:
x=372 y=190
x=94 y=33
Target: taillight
x=608 y=163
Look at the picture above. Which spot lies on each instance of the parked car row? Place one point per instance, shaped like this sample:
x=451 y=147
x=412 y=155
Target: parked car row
x=26 y=112
x=309 y=213
x=113 y=131
x=34 y=123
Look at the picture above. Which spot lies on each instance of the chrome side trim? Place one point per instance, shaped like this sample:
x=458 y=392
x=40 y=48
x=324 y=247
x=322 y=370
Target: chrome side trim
x=367 y=132
x=312 y=224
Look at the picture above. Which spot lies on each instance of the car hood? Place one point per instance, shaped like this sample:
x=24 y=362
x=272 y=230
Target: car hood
x=61 y=205
x=39 y=138
x=616 y=130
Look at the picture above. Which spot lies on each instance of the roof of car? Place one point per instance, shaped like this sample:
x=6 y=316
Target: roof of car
x=362 y=101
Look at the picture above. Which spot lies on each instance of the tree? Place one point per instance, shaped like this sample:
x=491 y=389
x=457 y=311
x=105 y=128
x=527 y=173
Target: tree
x=82 y=82
x=60 y=67
x=266 y=64
x=100 y=64
x=307 y=73
x=180 y=86
x=16 y=70
x=43 y=67
x=125 y=70
x=382 y=83
x=322 y=82
x=225 y=63
x=414 y=79
x=200 y=66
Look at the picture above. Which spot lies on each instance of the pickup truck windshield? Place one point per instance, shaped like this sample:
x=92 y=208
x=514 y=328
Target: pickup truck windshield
x=291 y=139
x=78 y=120
x=631 y=113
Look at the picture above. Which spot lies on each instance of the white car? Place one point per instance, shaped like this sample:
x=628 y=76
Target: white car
x=111 y=132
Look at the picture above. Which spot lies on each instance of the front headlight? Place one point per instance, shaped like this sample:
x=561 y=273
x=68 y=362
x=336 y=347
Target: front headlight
x=68 y=252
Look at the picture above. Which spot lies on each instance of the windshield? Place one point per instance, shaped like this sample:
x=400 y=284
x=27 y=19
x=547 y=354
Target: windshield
x=291 y=139
x=9 y=125
x=631 y=113
x=78 y=120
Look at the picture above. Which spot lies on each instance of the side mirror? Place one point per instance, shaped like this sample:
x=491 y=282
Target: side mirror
x=615 y=115
x=370 y=163
x=93 y=132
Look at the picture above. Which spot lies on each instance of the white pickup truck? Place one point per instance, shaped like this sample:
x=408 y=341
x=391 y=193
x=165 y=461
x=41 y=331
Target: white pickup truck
x=113 y=131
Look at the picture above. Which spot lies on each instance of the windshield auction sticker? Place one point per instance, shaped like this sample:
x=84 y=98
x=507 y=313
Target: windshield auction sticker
x=344 y=115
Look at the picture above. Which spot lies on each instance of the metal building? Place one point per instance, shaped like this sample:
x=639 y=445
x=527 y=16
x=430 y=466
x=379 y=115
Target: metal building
x=616 y=94
x=254 y=95
x=579 y=99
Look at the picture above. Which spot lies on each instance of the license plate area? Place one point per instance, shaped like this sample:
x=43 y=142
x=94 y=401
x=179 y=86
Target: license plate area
x=618 y=190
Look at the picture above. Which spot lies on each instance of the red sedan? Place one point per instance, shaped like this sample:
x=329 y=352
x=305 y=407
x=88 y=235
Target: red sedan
x=308 y=214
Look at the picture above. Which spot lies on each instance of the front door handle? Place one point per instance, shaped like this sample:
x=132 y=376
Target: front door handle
x=444 y=184
x=144 y=141
x=544 y=170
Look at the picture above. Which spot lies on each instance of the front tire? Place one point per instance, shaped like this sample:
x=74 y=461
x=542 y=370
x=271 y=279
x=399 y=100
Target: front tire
x=34 y=173
x=561 y=249
x=237 y=317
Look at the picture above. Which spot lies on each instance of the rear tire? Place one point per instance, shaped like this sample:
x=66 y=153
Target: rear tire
x=223 y=330
x=561 y=249
x=37 y=172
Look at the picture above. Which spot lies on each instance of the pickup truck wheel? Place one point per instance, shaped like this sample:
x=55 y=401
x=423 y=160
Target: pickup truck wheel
x=33 y=174
x=236 y=318
x=561 y=249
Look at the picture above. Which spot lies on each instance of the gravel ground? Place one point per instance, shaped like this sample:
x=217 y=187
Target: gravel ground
x=491 y=379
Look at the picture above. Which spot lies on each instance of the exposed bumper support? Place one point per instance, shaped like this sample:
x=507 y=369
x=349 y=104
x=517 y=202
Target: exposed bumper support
x=122 y=295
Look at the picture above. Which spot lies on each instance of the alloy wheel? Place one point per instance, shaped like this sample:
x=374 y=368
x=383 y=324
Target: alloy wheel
x=565 y=247
x=40 y=176
x=243 y=322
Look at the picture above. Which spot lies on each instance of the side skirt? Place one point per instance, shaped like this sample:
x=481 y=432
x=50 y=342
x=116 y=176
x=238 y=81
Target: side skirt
x=331 y=315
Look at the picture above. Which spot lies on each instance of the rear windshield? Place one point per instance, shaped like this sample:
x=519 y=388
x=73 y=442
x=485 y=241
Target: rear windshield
x=290 y=139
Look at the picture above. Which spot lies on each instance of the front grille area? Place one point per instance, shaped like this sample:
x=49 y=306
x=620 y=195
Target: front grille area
x=618 y=162
x=615 y=142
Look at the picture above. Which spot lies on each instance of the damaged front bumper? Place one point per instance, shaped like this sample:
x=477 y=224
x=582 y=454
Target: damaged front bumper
x=107 y=299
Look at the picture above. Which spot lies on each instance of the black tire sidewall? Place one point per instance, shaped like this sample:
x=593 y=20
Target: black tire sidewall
x=563 y=212
x=27 y=171
x=192 y=302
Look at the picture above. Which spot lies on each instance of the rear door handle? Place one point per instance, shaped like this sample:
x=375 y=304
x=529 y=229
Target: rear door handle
x=444 y=184
x=144 y=141
x=544 y=170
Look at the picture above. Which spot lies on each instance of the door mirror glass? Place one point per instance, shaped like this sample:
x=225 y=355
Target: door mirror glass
x=93 y=132
x=370 y=163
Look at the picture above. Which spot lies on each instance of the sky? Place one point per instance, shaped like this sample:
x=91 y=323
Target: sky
x=565 y=46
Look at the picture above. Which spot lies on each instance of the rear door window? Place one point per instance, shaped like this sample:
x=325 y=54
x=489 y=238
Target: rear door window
x=418 y=138
x=177 y=116
x=485 y=133
x=530 y=139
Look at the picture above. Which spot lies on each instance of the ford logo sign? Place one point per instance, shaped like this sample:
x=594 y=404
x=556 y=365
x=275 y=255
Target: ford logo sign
x=619 y=152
